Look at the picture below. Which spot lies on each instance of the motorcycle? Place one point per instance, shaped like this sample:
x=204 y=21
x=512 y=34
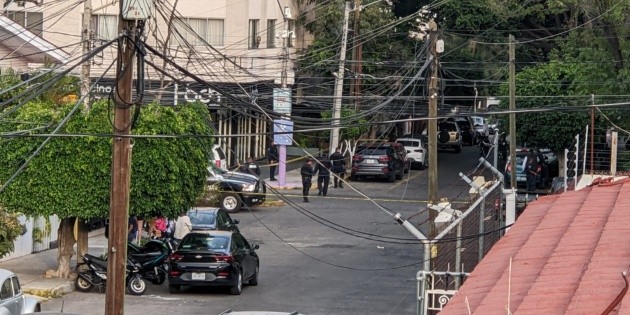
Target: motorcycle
x=96 y=275
x=484 y=146
x=152 y=258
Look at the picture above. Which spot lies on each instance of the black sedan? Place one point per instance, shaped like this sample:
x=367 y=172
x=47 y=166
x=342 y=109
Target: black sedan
x=213 y=258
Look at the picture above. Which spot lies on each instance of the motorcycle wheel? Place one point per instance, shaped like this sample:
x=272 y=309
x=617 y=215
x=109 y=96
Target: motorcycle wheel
x=136 y=286
x=160 y=277
x=82 y=285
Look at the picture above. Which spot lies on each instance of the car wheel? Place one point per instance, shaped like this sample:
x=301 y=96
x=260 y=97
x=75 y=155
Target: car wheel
x=391 y=177
x=231 y=202
x=82 y=285
x=254 y=280
x=237 y=288
x=400 y=176
x=174 y=288
x=137 y=286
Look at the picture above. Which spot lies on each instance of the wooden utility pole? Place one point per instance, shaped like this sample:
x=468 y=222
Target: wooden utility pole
x=512 y=53
x=357 y=55
x=433 y=127
x=121 y=172
x=86 y=37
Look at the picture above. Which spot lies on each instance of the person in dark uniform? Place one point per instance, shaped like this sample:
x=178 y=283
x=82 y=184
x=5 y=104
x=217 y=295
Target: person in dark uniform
x=338 y=168
x=531 y=167
x=307 y=173
x=272 y=157
x=250 y=167
x=322 y=169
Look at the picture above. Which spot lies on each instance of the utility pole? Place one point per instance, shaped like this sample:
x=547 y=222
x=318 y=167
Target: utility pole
x=85 y=67
x=282 y=147
x=121 y=172
x=432 y=124
x=512 y=53
x=334 y=133
x=357 y=55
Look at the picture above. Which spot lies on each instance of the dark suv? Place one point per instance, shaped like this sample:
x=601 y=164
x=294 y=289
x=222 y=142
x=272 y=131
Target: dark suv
x=379 y=160
x=235 y=189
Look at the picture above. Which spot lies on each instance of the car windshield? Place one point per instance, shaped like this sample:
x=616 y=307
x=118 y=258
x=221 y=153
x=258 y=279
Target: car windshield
x=202 y=218
x=409 y=143
x=374 y=151
x=201 y=241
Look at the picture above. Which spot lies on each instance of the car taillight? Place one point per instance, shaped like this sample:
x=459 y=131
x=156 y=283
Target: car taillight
x=383 y=159
x=175 y=273
x=357 y=158
x=175 y=257
x=218 y=163
x=538 y=169
x=224 y=274
x=509 y=167
x=224 y=258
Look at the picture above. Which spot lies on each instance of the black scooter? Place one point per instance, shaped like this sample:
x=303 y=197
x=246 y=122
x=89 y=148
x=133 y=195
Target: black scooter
x=152 y=258
x=96 y=275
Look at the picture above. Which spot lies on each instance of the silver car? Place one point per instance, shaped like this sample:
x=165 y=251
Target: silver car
x=12 y=300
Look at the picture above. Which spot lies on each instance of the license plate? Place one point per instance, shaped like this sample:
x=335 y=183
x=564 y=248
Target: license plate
x=198 y=276
x=370 y=161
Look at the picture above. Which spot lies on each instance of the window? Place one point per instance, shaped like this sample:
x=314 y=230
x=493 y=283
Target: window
x=6 y=292
x=271 y=33
x=105 y=26
x=291 y=33
x=32 y=21
x=254 y=38
x=198 y=32
x=16 y=286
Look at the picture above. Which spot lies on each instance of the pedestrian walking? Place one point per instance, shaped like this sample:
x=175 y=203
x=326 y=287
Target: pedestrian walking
x=307 y=173
x=272 y=158
x=132 y=230
x=250 y=167
x=322 y=169
x=338 y=168
x=182 y=227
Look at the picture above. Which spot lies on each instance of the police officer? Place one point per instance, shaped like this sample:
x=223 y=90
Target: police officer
x=272 y=157
x=531 y=168
x=338 y=168
x=307 y=173
x=322 y=169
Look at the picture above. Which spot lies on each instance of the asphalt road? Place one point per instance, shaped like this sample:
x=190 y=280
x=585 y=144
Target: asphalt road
x=307 y=263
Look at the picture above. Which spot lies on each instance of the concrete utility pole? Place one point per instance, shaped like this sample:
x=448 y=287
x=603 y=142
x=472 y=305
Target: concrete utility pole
x=357 y=55
x=121 y=173
x=432 y=124
x=85 y=67
x=334 y=133
x=512 y=114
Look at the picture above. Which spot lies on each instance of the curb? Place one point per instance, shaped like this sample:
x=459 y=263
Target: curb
x=49 y=293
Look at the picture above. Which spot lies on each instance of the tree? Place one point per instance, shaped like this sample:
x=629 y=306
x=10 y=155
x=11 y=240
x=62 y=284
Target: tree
x=71 y=175
x=10 y=229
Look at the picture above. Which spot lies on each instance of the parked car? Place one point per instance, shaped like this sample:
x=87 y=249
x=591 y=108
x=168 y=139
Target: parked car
x=12 y=300
x=480 y=126
x=378 y=160
x=466 y=130
x=449 y=136
x=235 y=189
x=416 y=152
x=209 y=218
x=219 y=159
x=214 y=258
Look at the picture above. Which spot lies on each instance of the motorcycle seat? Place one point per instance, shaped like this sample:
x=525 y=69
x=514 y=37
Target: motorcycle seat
x=96 y=260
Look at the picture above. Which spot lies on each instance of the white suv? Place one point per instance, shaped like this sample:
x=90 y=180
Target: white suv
x=416 y=152
x=219 y=157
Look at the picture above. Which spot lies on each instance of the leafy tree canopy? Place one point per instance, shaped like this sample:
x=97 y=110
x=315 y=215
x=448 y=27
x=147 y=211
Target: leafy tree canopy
x=70 y=177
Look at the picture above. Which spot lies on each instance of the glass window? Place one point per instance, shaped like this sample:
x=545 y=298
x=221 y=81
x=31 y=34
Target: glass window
x=32 y=21
x=201 y=241
x=254 y=37
x=291 y=33
x=6 y=291
x=239 y=241
x=105 y=26
x=16 y=286
x=198 y=32
x=201 y=218
x=271 y=33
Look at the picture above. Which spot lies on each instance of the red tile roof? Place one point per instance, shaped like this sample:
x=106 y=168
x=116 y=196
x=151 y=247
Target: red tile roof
x=568 y=252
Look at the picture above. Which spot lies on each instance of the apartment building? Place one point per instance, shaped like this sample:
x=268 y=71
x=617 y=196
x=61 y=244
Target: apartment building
x=235 y=52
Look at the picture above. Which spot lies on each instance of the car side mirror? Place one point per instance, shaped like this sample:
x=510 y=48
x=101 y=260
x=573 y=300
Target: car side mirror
x=236 y=221
x=255 y=247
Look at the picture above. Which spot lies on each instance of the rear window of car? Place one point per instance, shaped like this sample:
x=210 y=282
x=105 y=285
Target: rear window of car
x=374 y=151
x=202 y=218
x=409 y=143
x=200 y=241
x=448 y=126
x=220 y=153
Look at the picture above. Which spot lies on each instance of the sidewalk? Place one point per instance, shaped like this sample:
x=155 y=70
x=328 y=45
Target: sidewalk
x=31 y=269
